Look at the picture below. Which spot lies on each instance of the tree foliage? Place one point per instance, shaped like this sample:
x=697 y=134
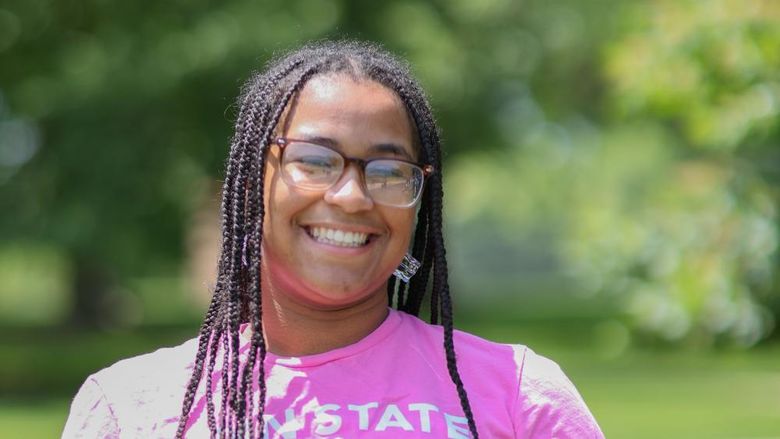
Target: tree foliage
x=632 y=145
x=667 y=199
x=702 y=264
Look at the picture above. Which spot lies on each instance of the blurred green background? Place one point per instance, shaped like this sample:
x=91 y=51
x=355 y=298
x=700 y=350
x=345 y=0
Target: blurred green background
x=612 y=185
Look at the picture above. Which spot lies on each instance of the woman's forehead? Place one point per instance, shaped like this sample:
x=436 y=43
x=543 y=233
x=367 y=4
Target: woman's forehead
x=343 y=107
x=351 y=94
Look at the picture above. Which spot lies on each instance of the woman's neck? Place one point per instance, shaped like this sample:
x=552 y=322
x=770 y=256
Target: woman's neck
x=295 y=329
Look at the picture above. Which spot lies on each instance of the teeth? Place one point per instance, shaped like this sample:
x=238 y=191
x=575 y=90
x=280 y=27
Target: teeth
x=338 y=237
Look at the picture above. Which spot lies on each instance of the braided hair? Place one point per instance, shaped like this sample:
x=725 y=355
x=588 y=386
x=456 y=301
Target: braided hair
x=237 y=295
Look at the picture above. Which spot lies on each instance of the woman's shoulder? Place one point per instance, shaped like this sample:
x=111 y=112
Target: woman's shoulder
x=162 y=358
x=470 y=347
x=516 y=384
x=537 y=377
x=123 y=397
x=534 y=377
x=163 y=370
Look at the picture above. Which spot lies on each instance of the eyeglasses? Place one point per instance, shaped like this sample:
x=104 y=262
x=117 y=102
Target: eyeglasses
x=391 y=182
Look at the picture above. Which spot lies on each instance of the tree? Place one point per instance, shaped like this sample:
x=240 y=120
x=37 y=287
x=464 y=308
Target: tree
x=130 y=105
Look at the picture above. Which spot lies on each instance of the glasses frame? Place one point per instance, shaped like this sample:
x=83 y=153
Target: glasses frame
x=426 y=169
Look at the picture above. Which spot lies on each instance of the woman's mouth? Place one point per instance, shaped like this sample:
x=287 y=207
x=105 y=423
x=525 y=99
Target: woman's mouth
x=339 y=238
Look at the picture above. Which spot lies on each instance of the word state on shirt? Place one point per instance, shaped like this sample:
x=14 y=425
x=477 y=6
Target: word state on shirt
x=332 y=419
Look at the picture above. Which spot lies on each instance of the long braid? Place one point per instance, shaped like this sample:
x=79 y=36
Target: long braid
x=391 y=285
x=189 y=395
x=257 y=211
x=431 y=145
x=232 y=219
x=256 y=214
x=213 y=348
x=237 y=280
x=209 y=332
x=206 y=332
x=248 y=142
x=238 y=397
x=440 y=284
x=419 y=282
x=419 y=109
x=409 y=296
x=441 y=289
x=255 y=160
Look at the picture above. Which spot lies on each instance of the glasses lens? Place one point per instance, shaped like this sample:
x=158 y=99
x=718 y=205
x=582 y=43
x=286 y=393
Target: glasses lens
x=311 y=166
x=393 y=182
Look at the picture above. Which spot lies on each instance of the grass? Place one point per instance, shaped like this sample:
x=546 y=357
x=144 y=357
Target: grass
x=670 y=404
x=634 y=393
x=41 y=417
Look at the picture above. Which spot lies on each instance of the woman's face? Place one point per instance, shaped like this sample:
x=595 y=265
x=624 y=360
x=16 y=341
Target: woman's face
x=361 y=119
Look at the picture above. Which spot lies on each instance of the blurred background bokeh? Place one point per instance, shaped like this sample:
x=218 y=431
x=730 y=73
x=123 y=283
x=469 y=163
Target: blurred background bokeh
x=612 y=185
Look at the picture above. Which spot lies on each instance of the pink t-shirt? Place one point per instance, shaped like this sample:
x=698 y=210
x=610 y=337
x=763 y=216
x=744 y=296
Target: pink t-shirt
x=393 y=384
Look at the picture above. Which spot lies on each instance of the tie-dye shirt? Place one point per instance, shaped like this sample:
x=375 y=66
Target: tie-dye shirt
x=393 y=383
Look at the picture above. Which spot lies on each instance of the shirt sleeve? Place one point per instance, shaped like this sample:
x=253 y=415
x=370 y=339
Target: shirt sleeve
x=91 y=414
x=548 y=405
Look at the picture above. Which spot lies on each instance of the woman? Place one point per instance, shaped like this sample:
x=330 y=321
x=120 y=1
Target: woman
x=332 y=201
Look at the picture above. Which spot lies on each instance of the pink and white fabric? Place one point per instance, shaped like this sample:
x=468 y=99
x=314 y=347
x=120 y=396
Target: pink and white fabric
x=393 y=383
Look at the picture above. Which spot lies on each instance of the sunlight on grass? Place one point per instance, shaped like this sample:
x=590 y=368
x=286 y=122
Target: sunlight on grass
x=34 y=418
x=682 y=403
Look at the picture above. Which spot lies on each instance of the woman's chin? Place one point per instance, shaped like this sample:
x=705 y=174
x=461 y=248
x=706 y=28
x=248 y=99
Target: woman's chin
x=327 y=291
x=331 y=298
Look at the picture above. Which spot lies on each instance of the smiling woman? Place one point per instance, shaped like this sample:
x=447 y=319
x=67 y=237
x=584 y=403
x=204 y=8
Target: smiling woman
x=332 y=214
x=311 y=191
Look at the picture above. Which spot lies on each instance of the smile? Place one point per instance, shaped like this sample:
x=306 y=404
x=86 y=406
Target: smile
x=340 y=238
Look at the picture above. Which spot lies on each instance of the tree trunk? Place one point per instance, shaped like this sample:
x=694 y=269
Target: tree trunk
x=92 y=284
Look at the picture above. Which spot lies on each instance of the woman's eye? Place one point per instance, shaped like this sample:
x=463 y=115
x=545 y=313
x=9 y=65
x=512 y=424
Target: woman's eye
x=315 y=164
x=387 y=172
x=315 y=161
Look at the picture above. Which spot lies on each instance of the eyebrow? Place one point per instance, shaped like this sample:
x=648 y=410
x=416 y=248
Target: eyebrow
x=379 y=148
x=391 y=148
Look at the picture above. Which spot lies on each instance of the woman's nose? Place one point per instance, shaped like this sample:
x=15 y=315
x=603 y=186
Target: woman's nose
x=349 y=192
